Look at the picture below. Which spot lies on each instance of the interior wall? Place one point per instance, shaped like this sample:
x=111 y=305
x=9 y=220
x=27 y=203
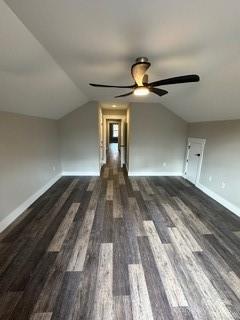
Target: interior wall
x=29 y=158
x=157 y=140
x=79 y=132
x=221 y=160
x=114 y=112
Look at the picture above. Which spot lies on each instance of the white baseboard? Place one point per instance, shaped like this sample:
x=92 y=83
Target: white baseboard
x=81 y=173
x=230 y=206
x=20 y=209
x=154 y=174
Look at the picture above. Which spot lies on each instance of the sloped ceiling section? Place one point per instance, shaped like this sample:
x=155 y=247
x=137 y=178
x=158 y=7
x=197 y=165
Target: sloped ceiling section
x=97 y=41
x=31 y=82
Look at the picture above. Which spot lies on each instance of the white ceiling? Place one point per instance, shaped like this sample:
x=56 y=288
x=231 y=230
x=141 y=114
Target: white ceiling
x=31 y=82
x=97 y=41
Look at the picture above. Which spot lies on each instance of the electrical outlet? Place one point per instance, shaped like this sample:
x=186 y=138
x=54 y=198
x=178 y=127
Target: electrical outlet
x=164 y=164
x=223 y=185
x=210 y=178
x=53 y=168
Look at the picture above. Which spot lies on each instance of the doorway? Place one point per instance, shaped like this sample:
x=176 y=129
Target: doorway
x=113 y=132
x=194 y=157
x=113 y=129
x=113 y=141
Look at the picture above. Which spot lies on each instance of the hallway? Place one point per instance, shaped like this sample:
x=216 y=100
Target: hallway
x=113 y=156
x=121 y=248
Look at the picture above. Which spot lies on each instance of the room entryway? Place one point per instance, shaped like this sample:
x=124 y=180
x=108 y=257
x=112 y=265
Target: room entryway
x=195 y=149
x=113 y=134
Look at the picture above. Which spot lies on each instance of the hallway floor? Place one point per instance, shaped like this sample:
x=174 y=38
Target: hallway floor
x=121 y=248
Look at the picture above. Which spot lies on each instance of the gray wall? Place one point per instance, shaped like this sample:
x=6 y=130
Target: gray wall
x=157 y=136
x=80 y=140
x=114 y=112
x=29 y=158
x=221 y=158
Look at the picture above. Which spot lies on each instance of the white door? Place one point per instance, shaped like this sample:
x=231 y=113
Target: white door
x=122 y=144
x=101 y=155
x=194 y=160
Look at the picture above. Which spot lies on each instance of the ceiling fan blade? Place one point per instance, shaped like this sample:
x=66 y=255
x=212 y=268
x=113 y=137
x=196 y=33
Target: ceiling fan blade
x=124 y=95
x=138 y=70
x=175 y=80
x=109 y=86
x=159 y=92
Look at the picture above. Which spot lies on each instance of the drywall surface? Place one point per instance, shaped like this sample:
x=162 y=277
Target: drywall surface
x=113 y=112
x=80 y=141
x=221 y=161
x=157 y=140
x=29 y=158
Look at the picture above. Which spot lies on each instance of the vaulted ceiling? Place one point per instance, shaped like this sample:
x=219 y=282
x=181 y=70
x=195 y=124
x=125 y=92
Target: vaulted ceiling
x=51 y=50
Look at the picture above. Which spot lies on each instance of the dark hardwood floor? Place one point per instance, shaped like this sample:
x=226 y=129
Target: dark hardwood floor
x=117 y=247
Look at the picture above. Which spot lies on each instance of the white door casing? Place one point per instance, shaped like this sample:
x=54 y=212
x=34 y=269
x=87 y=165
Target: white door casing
x=194 y=157
x=121 y=118
x=100 y=125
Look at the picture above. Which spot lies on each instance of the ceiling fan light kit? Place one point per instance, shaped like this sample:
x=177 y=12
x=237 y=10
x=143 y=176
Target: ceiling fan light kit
x=142 y=87
x=141 y=91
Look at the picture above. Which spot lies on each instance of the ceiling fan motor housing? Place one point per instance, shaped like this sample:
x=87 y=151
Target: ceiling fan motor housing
x=142 y=59
x=139 y=69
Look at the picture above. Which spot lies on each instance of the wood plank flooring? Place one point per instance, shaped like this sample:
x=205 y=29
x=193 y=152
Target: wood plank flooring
x=119 y=247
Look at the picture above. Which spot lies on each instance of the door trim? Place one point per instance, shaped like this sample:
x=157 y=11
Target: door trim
x=122 y=119
x=202 y=142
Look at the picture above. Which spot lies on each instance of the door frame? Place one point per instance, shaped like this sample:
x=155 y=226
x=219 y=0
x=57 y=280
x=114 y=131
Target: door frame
x=100 y=132
x=122 y=119
x=202 y=142
x=109 y=122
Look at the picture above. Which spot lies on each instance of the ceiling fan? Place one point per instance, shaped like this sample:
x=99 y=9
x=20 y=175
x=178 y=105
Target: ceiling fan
x=142 y=87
